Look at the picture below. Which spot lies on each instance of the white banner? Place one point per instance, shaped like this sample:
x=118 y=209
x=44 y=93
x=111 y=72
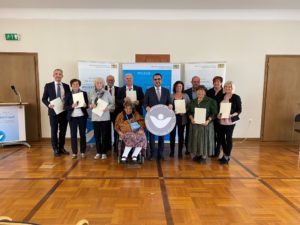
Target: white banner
x=12 y=123
x=206 y=71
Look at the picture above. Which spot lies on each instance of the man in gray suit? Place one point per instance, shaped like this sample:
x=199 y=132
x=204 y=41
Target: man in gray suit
x=154 y=96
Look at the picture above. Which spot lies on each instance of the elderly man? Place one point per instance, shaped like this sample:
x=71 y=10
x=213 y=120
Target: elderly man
x=113 y=91
x=192 y=93
x=138 y=103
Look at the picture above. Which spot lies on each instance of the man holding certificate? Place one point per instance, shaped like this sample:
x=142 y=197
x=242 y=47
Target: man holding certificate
x=202 y=111
x=53 y=97
x=76 y=105
x=180 y=102
x=230 y=109
x=133 y=93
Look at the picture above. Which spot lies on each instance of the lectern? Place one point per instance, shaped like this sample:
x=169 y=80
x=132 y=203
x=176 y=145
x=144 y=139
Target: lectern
x=12 y=124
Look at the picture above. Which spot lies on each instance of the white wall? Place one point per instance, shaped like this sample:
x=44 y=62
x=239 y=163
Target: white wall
x=242 y=44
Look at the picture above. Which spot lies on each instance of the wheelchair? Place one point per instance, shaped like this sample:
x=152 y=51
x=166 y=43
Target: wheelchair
x=140 y=158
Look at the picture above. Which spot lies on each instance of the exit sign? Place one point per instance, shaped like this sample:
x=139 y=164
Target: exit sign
x=12 y=37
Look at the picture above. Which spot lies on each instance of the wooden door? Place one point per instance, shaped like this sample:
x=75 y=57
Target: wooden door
x=281 y=97
x=21 y=70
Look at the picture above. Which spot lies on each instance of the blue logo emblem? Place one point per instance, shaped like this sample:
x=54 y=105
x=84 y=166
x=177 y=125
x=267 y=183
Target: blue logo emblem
x=2 y=136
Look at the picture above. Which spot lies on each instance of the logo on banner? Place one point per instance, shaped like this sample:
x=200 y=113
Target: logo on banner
x=2 y=136
x=160 y=120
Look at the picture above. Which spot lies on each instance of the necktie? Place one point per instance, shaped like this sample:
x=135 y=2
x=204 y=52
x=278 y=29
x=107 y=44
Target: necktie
x=158 y=93
x=110 y=91
x=58 y=93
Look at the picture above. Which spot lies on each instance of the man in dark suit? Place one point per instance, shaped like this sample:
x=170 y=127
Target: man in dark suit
x=192 y=93
x=113 y=91
x=130 y=87
x=53 y=90
x=154 y=96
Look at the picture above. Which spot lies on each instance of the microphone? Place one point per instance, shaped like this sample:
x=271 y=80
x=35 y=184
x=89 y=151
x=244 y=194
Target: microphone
x=17 y=93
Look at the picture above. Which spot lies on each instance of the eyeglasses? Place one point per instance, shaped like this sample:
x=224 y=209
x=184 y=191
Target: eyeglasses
x=157 y=79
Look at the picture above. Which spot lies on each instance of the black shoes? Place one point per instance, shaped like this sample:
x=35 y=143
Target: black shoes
x=56 y=152
x=64 y=151
x=223 y=160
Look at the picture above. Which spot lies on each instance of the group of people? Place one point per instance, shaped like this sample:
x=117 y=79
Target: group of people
x=201 y=140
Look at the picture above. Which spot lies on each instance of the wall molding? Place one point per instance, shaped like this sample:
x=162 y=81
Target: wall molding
x=148 y=14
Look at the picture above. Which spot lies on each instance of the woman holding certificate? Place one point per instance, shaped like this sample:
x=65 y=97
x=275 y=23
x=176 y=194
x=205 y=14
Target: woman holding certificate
x=130 y=126
x=101 y=103
x=76 y=103
x=202 y=111
x=230 y=108
x=180 y=102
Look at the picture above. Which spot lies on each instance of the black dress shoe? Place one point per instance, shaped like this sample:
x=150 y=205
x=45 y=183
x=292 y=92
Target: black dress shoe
x=224 y=161
x=56 y=152
x=197 y=158
x=64 y=151
x=187 y=153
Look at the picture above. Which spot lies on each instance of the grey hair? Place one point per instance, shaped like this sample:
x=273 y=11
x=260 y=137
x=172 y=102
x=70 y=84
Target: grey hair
x=101 y=80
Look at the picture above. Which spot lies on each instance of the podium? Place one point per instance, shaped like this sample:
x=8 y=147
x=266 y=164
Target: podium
x=12 y=124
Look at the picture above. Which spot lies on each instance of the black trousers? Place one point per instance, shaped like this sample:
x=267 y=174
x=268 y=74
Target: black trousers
x=187 y=134
x=58 y=122
x=226 y=132
x=102 y=133
x=159 y=153
x=113 y=117
x=217 y=137
x=78 y=122
x=180 y=135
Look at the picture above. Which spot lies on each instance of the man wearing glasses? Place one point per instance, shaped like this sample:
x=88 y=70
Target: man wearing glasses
x=154 y=96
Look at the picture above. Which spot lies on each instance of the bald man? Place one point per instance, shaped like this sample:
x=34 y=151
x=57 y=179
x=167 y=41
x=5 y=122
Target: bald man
x=192 y=93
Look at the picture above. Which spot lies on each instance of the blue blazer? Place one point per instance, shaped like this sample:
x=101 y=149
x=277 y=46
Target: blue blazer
x=151 y=97
x=139 y=96
x=50 y=94
x=69 y=102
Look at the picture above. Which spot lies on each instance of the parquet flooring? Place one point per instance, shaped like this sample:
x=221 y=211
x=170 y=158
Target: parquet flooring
x=261 y=185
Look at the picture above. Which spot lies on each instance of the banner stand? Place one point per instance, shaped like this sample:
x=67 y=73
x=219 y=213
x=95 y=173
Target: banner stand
x=12 y=124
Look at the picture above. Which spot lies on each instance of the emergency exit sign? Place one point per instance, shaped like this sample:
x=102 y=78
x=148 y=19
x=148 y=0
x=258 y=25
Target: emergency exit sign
x=12 y=37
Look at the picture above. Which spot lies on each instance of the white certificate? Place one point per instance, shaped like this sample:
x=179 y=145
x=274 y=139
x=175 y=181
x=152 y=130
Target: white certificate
x=78 y=98
x=180 y=106
x=101 y=105
x=131 y=95
x=225 y=110
x=58 y=105
x=200 y=115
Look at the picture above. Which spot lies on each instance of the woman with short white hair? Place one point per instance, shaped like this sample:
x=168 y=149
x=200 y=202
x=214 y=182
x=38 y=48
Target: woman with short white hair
x=101 y=123
x=227 y=124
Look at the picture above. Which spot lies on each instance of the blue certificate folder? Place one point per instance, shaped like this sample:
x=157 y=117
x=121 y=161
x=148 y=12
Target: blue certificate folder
x=9 y=124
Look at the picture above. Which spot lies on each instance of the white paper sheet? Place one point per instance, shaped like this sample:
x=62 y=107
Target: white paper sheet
x=101 y=105
x=58 y=105
x=179 y=106
x=78 y=98
x=131 y=95
x=225 y=110
x=200 y=115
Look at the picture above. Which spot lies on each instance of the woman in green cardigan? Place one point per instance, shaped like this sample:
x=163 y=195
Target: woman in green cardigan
x=201 y=139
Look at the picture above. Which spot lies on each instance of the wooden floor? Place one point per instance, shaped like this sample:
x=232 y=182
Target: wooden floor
x=261 y=185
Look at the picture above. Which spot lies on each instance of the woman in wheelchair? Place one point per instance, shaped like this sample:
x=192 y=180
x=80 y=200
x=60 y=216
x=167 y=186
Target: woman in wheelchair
x=130 y=126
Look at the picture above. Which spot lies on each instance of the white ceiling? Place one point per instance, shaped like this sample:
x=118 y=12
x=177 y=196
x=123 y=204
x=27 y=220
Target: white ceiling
x=154 y=4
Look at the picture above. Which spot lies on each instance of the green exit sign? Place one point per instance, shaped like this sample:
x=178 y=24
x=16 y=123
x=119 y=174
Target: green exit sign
x=12 y=37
